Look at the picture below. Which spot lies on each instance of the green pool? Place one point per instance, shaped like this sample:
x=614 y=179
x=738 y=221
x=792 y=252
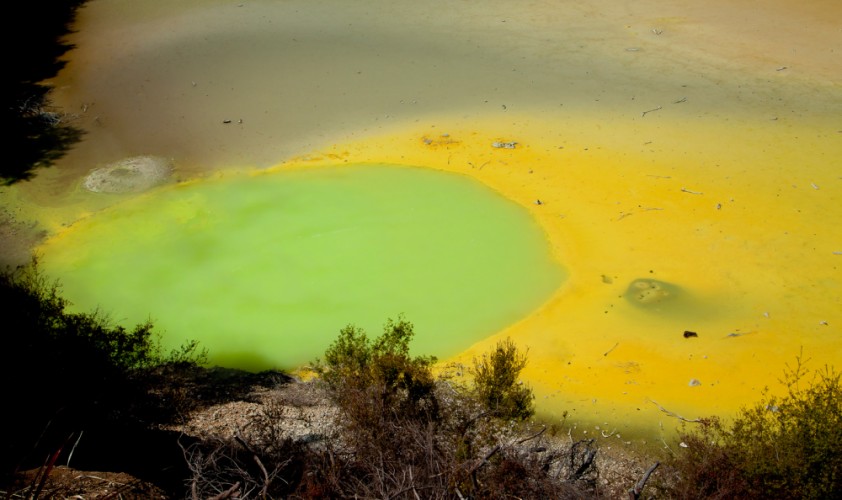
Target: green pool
x=265 y=269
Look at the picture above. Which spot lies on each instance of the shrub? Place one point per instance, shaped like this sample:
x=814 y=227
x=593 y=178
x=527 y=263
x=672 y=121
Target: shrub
x=379 y=374
x=782 y=447
x=496 y=382
x=400 y=432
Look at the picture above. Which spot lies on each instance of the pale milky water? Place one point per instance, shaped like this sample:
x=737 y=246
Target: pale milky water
x=695 y=144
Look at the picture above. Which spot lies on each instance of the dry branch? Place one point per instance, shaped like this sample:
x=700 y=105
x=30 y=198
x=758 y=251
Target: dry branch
x=634 y=492
x=233 y=491
x=676 y=415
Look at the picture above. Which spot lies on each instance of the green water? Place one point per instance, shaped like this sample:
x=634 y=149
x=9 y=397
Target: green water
x=264 y=270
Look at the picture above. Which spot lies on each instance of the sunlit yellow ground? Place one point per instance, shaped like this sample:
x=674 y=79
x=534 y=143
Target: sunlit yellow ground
x=751 y=240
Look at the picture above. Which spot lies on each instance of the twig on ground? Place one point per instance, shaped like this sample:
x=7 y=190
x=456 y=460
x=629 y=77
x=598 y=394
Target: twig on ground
x=229 y=493
x=637 y=489
x=609 y=350
x=651 y=110
x=486 y=458
x=529 y=438
x=676 y=415
x=587 y=458
x=738 y=334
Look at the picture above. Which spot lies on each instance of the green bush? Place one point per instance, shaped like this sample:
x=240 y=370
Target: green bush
x=782 y=447
x=370 y=377
x=496 y=382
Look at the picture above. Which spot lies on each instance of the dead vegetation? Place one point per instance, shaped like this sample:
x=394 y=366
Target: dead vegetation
x=378 y=424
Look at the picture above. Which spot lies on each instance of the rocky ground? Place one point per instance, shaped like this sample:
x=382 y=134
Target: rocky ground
x=293 y=408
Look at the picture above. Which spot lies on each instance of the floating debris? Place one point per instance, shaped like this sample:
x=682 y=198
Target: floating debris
x=503 y=145
x=694 y=382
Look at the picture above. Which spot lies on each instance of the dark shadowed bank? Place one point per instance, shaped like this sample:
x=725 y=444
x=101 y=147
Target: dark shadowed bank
x=35 y=135
x=76 y=386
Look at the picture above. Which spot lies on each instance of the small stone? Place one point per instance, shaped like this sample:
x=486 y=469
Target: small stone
x=694 y=382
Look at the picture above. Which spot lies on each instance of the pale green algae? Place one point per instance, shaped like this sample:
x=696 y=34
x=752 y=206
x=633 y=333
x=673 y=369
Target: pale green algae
x=264 y=270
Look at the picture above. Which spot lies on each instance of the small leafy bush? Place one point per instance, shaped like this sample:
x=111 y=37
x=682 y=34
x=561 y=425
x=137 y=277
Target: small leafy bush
x=380 y=374
x=497 y=385
x=782 y=447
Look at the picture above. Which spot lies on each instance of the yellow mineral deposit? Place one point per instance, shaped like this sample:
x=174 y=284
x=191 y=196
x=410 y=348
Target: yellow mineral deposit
x=656 y=247
x=682 y=158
